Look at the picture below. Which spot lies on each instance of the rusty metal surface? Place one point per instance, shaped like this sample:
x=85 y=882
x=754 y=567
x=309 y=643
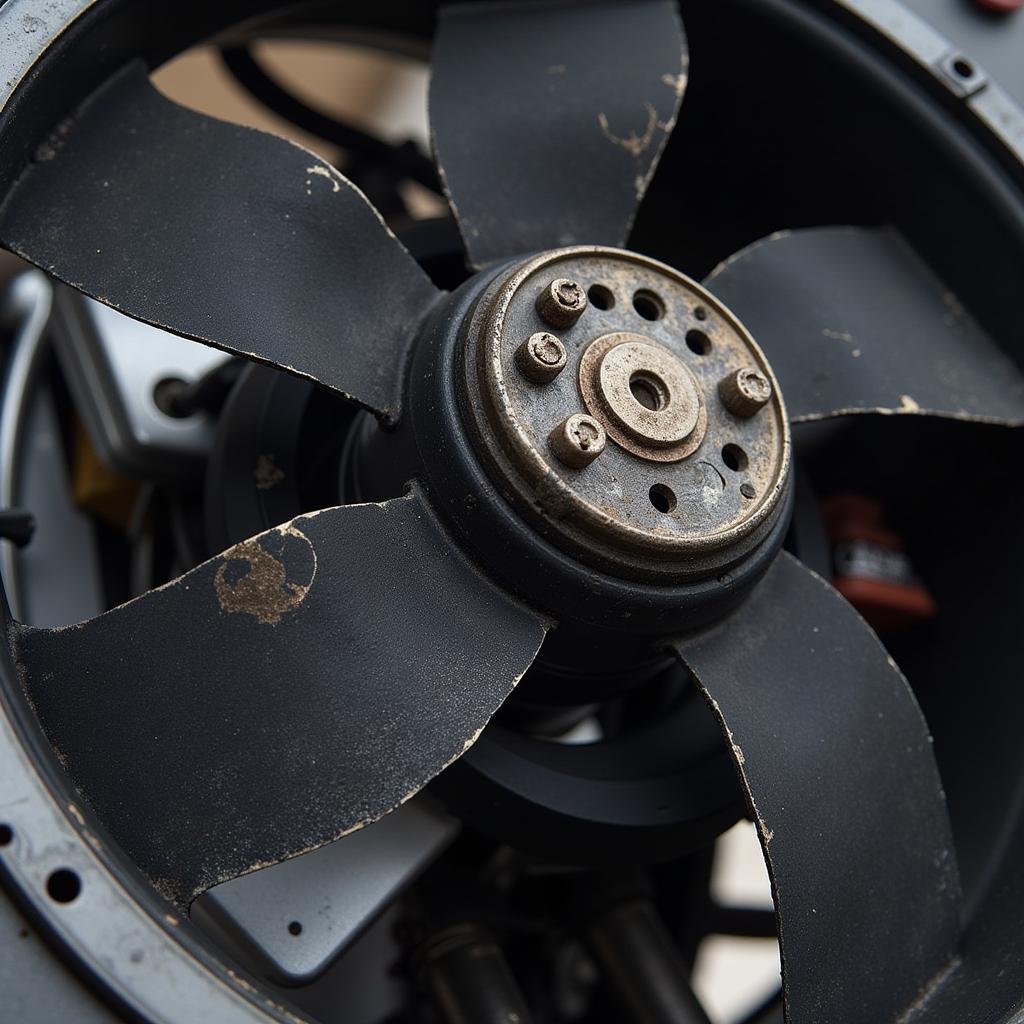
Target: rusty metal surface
x=853 y=321
x=837 y=764
x=549 y=119
x=670 y=423
x=577 y=440
x=280 y=695
x=721 y=475
x=231 y=236
x=541 y=358
x=745 y=392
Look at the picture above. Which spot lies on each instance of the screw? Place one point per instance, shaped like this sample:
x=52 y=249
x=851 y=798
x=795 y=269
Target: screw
x=748 y=490
x=577 y=441
x=744 y=392
x=562 y=302
x=541 y=358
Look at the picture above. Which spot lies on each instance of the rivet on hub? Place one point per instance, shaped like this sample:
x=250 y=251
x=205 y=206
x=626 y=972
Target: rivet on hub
x=541 y=358
x=562 y=302
x=744 y=392
x=577 y=440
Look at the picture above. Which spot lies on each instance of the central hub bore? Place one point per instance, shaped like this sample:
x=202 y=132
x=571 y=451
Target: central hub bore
x=647 y=399
x=627 y=410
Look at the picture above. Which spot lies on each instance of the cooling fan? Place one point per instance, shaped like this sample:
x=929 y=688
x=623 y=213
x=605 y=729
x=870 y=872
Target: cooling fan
x=579 y=460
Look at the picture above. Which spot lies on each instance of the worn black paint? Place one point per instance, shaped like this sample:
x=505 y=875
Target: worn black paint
x=224 y=234
x=211 y=742
x=548 y=119
x=840 y=775
x=852 y=320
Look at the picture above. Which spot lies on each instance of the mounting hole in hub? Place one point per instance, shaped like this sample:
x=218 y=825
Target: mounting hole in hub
x=600 y=297
x=698 y=342
x=648 y=305
x=735 y=458
x=700 y=313
x=295 y=928
x=63 y=885
x=6 y=835
x=663 y=498
x=646 y=391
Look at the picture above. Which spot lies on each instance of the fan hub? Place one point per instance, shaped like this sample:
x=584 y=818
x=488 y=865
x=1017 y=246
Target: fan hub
x=655 y=426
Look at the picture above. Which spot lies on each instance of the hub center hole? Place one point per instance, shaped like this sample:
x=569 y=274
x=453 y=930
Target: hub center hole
x=650 y=392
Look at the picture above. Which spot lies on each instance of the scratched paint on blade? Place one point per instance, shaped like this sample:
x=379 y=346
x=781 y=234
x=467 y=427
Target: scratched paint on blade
x=634 y=144
x=263 y=589
x=324 y=172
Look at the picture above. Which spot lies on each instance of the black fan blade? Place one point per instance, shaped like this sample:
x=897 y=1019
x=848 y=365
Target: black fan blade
x=549 y=119
x=853 y=321
x=223 y=234
x=296 y=687
x=840 y=776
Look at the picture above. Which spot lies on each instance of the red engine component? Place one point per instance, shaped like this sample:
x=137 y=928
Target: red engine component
x=871 y=568
x=1000 y=6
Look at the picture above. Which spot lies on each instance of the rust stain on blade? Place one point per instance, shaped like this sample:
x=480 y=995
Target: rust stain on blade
x=264 y=592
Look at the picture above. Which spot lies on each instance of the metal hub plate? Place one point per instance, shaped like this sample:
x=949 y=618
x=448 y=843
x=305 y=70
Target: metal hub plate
x=662 y=431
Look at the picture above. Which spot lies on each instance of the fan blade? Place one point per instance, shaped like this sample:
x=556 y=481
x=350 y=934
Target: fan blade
x=549 y=119
x=839 y=773
x=296 y=687
x=224 y=234
x=853 y=321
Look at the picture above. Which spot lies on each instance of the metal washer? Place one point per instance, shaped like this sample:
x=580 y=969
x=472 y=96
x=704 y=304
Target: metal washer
x=615 y=365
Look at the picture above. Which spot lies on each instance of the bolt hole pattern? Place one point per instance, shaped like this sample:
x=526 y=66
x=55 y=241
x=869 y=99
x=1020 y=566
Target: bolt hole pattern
x=295 y=928
x=63 y=885
x=601 y=297
x=698 y=342
x=648 y=305
x=6 y=835
x=735 y=458
x=663 y=498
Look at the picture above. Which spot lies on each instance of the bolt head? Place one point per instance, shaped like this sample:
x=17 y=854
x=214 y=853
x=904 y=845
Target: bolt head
x=541 y=358
x=577 y=440
x=744 y=392
x=562 y=302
